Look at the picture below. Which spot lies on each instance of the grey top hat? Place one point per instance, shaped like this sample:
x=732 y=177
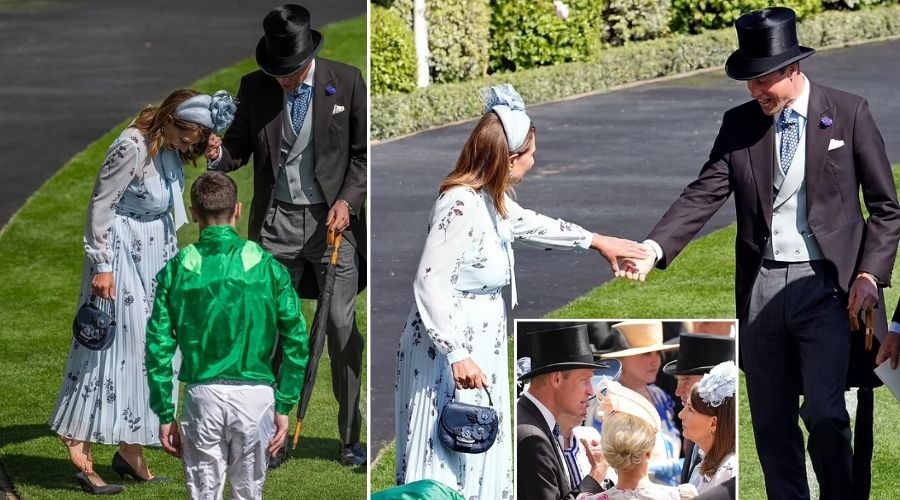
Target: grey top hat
x=767 y=41
x=289 y=44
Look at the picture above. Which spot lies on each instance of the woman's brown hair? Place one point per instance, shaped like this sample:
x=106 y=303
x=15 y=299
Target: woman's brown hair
x=723 y=440
x=151 y=120
x=484 y=161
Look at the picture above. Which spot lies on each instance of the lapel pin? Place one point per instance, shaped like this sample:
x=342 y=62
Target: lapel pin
x=826 y=122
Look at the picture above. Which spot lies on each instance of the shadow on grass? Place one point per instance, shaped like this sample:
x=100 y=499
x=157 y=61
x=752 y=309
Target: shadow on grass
x=48 y=473
x=15 y=434
x=317 y=448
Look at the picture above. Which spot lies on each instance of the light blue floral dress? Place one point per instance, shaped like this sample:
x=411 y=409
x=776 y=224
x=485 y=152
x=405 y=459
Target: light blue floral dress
x=130 y=232
x=460 y=313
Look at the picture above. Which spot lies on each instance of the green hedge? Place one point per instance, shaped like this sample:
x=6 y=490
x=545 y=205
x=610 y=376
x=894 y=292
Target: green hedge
x=457 y=37
x=396 y=115
x=528 y=33
x=695 y=16
x=635 y=20
x=854 y=4
x=393 y=54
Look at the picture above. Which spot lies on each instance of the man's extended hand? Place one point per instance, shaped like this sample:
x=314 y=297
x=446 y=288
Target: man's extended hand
x=638 y=268
x=616 y=250
x=599 y=465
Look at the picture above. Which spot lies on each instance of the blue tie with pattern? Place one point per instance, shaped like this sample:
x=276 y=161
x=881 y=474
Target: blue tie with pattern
x=299 y=106
x=790 y=137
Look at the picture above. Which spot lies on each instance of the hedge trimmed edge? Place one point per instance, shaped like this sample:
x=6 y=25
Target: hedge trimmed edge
x=394 y=115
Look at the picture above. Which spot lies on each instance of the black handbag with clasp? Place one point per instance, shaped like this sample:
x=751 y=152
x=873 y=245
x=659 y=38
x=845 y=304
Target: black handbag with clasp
x=93 y=327
x=466 y=428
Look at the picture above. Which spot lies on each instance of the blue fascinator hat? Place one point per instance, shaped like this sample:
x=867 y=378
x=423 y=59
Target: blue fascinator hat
x=510 y=108
x=215 y=112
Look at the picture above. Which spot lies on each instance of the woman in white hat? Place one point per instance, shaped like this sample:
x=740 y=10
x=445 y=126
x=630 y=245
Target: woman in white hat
x=709 y=421
x=630 y=427
x=135 y=208
x=455 y=335
x=641 y=363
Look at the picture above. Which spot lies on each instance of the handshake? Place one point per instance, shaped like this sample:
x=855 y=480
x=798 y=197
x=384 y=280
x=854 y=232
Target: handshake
x=626 y=258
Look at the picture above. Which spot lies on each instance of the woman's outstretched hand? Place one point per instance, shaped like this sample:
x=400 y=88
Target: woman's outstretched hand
x=467 y=375
x=617 y=250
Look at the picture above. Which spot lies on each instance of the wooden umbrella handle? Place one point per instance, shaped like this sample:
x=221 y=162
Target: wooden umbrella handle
x=335 y=240
x=296 y=434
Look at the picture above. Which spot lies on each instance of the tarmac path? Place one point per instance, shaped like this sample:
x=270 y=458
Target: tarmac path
x=611 y=162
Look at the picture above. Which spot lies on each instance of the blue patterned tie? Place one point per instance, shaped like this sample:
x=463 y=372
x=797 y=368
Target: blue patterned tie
x=299 y=106
x=790 y=137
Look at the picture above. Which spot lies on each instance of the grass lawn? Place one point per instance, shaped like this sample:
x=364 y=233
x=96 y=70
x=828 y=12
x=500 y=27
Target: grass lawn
x=701 y=285
x=41 y=257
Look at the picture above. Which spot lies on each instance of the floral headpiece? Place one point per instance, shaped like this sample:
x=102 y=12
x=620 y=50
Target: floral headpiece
x=214 y=112
x=717 y=385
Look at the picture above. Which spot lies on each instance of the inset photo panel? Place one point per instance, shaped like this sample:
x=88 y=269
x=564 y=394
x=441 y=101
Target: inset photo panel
x=616 y=409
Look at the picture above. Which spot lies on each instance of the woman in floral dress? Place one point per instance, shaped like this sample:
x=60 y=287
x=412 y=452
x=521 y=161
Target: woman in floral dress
x=129 y=235
x=455 y=336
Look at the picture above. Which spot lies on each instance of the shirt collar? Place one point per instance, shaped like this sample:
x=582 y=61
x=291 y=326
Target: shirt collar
x=221 y=232
x=801 y=103
x=548 y=417
x=308 y=81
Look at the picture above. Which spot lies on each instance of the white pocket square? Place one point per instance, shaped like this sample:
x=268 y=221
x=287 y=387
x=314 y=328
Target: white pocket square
x=834 y=144
x=338 y=109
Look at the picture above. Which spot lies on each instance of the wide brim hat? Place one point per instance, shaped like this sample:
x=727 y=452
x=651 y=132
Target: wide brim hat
x=289 y=44
x=561 y=349
x=641 y=337
x=700 y=353
x=614 y=397
x=767 y=41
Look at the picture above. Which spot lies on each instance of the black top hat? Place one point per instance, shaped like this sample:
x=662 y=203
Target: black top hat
x=700 y=353
x=289 y=44
x=767 y=41
x=559 y=350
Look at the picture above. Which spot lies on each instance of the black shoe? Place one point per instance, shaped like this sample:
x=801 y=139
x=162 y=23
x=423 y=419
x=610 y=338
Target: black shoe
x=353 y=455
x=123 y=468
x=278 y=458
x=89 y=487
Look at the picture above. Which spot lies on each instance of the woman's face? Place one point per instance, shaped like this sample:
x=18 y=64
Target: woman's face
x=699 y=428
x=177 y=138
x=521 y=163
x=642 y=367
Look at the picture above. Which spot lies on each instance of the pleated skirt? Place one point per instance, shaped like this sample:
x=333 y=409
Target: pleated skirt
x=104 y=396
x=425 y=386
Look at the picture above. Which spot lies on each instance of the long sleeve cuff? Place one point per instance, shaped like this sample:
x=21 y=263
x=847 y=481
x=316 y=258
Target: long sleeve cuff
x=284 y=408
x=656 y=249
x=102 y=267
x=895 y=327
x=212 y=165
x=167 y=417
x=457 y=355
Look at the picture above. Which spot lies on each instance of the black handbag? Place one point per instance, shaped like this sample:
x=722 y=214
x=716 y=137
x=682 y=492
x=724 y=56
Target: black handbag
x=466 y=428
x=93 y=327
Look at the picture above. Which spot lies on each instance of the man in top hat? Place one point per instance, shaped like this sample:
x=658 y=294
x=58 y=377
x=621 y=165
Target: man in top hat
x=561 y=369
x=302 y=118
x=698 y=353
x=795 y=157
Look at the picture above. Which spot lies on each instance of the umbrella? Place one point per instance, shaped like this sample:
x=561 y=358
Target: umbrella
x=317 y=333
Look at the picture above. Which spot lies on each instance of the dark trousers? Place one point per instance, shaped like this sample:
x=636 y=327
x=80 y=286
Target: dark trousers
x=797 y=338
x=295 y=235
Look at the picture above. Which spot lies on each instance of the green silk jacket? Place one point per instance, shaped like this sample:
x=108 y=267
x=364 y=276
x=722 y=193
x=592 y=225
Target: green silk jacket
x=224 y=301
